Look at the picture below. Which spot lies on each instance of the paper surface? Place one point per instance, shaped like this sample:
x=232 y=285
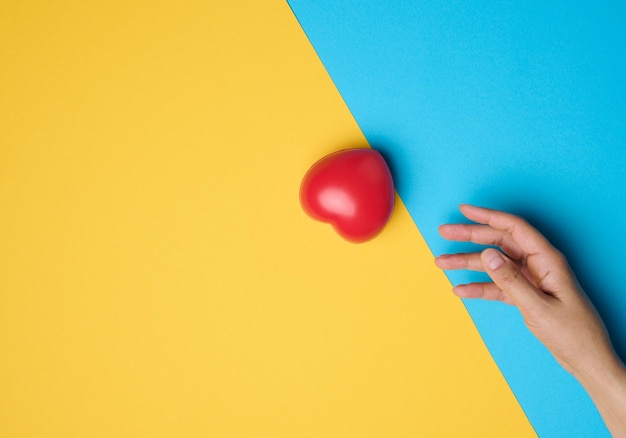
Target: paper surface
x=157 y=276
x=515 y=106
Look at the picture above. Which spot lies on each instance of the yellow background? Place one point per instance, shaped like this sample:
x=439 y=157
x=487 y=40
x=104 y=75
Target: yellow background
x=157 y=276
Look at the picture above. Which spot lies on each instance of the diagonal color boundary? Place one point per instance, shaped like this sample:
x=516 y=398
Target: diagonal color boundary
x=520 y=109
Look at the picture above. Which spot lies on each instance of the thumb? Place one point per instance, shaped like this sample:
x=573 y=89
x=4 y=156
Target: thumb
x=508 y=276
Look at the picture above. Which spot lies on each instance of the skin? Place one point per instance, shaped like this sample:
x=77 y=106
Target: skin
x=530 y=273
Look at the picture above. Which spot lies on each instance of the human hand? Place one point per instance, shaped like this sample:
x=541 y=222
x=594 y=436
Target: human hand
x=534 y=276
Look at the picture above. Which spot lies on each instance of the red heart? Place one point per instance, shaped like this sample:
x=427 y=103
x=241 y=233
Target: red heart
x=352 y=190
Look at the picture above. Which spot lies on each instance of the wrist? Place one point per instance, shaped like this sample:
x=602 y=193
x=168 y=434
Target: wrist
x=606 y=385
x=601 y=375
x=605 y=382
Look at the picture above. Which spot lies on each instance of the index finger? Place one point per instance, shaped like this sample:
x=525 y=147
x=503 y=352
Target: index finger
x=525 y=235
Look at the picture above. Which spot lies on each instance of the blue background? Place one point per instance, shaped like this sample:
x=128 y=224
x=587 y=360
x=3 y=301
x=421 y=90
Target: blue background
x=519 y=106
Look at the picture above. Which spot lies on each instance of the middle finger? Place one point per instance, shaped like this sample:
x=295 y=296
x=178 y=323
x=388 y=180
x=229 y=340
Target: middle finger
x=483 y=235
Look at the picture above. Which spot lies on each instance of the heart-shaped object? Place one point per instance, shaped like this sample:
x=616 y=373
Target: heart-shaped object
x=352 y=190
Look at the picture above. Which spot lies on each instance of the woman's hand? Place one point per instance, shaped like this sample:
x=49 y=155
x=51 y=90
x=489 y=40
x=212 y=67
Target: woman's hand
x=531 y=274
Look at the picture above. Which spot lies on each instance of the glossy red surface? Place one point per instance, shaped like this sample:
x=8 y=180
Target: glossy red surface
x=352 y=190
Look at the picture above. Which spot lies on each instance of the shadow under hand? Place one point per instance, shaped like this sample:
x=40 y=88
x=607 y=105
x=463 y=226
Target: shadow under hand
x=595 y=279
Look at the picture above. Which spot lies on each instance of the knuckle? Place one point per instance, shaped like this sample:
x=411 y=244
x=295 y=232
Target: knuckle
x=518 y=220
x=560 y=258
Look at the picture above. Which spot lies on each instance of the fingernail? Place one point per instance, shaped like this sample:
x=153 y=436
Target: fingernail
x=493 y=259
